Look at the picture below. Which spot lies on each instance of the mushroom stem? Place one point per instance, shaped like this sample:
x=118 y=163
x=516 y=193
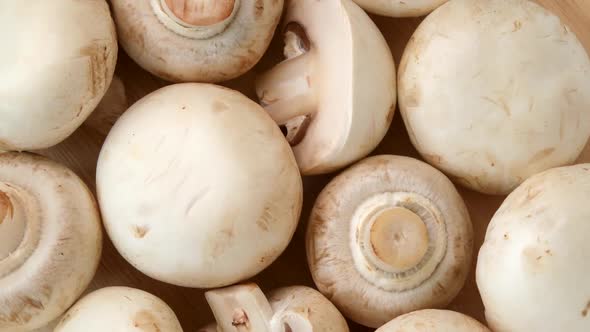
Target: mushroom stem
x=398 y=239
x=196 y=19
x=19 y=229
x=240 y=308
x=285 y=91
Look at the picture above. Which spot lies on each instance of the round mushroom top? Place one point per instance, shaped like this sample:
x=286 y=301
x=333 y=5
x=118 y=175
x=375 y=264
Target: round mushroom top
x=433 y=321
x=388 y=236
x=540 y=234
x=497 y=98
x=50 y=240
x=198 y=186
x=196 y=40
x=57 y=61
x=119 y=309
x=400 y=8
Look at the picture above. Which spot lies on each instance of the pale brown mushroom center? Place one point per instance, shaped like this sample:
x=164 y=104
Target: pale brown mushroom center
x=399 y=238
x=12 y=224
x=201 y=12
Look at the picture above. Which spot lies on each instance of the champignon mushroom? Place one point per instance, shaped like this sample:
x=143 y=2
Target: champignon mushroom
x=50 y=240
x=289 y=309
x=535 y=255
x=497 y=98
x=336 y=91
x=57 y=61
x=400 y=8
x=119 y=309
x=198 y=186
x=196 y=40
x=112 y=105
x=433 y=321
x=389 y=236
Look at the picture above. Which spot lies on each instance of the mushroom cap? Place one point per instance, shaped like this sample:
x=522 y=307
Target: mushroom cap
x=330 y=240
x=400 y=8
x=430 y=320
x=61 y=245
x=198 y=186
x=119 y=309
x=57 y=61
x=169 y=54
x=540 y=234
x=499 y=97
x=353 y=80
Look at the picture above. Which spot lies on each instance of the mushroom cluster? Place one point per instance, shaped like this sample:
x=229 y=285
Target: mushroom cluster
x=389 y=236
x=536 y=248
x=198 y=186
x=336 y=91
x=196 y=40
x=293 y=309
x=498 y=97
x=57 y=61
x=433 y=321
x=50 y=240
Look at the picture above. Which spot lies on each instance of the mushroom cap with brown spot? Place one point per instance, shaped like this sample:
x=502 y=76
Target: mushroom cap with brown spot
x=494 y=91
x=178 y=58
x=400 y=8
x=536 y=248
x=39 y=281
x=119 y=309
x=329 y=250
x=198 y=186
x=430 y=320
x=55 y=68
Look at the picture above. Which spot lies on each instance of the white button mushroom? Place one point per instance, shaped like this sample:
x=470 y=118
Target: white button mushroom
x=198 y=186
x=119 y=309
x=50 y=240
x=400 y=8
x=494 y=91
x=196 y=40
x=336 y=91
x=57 y=61
x=532 y=270
x=289 y=309
x=389 y=236
x=433 y=321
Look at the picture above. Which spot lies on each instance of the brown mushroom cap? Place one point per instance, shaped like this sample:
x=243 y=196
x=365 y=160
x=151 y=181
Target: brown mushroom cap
x=50 y=240
x=389 y=236
x=196 y=40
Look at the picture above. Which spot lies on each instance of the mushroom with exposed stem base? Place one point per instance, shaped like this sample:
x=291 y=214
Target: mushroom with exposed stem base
x=495 y=91
x=400 y=8
x=50 y=240
x=198 y=186
x=196 y=40
x=388 y=236
x=119 y=309
x=536 y=248
x=336 y=91
x=430 y=320
x=289 y=309
x=57 y=60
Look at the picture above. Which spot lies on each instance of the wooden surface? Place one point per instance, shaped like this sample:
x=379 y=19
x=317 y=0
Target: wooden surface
x=80 y=152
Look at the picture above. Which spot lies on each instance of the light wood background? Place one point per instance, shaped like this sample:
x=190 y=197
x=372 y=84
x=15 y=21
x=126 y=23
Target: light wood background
x=80 y=152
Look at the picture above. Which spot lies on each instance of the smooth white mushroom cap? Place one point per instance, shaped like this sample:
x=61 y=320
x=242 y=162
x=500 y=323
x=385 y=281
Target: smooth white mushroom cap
x=198 y=186
x=341 y=78
x=50 y=240
x=388 y=236
x=196 y=40
x=57 y=61
x=433 y=321
x=535 y=255
x=400 y=8
x=119 y=309
x=494 y=91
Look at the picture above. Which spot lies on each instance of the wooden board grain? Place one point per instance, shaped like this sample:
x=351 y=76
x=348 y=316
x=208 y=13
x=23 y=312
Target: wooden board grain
x=80 y=152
